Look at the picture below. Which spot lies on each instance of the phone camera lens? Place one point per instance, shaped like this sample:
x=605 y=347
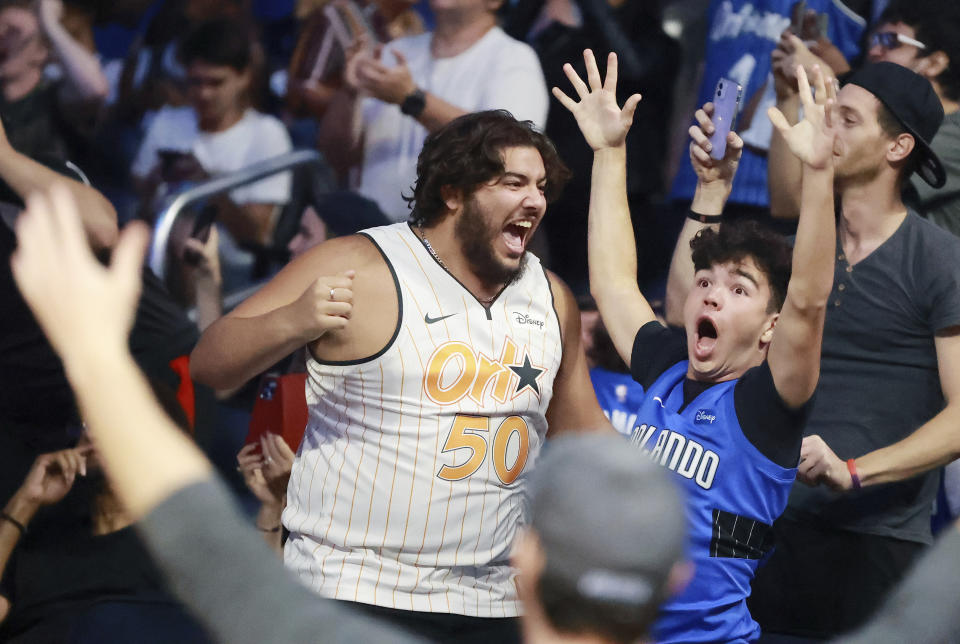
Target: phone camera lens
x=719 y=87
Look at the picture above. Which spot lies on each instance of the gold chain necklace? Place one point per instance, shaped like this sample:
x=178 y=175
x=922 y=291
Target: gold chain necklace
x=426 y=244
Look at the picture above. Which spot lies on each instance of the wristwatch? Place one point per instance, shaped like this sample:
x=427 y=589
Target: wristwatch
x=414 y=104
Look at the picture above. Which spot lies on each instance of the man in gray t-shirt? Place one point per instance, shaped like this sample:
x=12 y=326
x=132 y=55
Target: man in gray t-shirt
x=887 y=407
x=878 y=377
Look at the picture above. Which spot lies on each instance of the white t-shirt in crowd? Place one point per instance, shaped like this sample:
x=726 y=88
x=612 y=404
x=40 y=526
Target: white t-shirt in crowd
x=255 y=137
x=496 y=72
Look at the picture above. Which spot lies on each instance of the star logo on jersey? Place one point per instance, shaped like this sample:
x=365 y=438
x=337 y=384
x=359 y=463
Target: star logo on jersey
x=456 y=370
x=528 y=375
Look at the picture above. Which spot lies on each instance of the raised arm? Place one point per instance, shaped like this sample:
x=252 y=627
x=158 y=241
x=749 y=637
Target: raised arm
x=87 y=311
x=83 y=76
x=714 y=183
x=340 y=134
x=25 y=176
x=794 y=355
x=612 y=251
x=783 y=168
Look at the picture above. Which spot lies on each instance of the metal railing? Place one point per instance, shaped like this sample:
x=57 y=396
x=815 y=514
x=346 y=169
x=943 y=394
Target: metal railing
x=157 y=259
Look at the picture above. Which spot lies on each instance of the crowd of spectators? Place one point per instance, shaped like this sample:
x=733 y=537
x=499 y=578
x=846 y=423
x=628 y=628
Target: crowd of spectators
x=129 y=103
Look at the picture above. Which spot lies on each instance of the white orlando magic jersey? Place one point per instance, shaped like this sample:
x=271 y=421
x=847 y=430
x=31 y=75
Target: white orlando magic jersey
x=408 y=487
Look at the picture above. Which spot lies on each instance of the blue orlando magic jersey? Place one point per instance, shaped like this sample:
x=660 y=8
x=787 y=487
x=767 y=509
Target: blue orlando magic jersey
x=619 y=397
x=733 y=492
x=740 y=38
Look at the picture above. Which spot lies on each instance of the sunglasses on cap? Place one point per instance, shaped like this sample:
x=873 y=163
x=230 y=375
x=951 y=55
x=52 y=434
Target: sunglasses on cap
x=892 y=40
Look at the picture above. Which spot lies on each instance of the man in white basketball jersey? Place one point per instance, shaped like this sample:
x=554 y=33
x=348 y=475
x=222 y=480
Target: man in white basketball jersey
x=440 y=352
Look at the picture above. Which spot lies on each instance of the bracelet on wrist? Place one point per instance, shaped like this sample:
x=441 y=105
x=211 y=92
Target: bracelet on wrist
x=854 y=476
x=19 y=526
x=274 y=529
x=704 y=219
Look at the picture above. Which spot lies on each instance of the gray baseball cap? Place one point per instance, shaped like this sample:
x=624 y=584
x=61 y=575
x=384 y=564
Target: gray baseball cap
x=611 y=522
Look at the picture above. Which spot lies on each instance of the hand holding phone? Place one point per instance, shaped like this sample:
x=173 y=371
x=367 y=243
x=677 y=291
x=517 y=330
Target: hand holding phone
x=726 y=104
x=180 y=165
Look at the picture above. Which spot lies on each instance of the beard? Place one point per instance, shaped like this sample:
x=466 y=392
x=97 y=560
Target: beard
x=477 y=238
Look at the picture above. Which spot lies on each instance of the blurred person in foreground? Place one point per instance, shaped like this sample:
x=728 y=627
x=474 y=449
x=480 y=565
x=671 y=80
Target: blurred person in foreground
x=580 y=586
x=604 y=547
x=212 y=559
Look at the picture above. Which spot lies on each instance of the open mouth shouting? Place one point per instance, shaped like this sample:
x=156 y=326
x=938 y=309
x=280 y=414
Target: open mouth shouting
x=516 y=234
x=705 y=338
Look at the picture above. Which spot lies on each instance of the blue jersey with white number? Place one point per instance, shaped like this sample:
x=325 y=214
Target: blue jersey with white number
x=741 y=36
x=619 y=397
x=733 y=495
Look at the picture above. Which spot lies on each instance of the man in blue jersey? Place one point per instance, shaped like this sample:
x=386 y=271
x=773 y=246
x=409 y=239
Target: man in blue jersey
x=741 y=35
x=724 y=407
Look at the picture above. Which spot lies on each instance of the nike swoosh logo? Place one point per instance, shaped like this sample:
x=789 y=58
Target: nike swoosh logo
x=430 y=320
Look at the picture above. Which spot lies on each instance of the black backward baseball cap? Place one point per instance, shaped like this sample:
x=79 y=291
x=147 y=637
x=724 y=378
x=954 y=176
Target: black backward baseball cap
x=912 y=101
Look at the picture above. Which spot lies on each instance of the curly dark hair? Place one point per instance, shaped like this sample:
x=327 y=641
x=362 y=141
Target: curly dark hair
x=468 y=152
x=936 y=23
x=735 y=241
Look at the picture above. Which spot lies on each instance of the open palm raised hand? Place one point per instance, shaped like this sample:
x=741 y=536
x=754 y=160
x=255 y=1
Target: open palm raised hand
x=812 y=139
x=603 y=123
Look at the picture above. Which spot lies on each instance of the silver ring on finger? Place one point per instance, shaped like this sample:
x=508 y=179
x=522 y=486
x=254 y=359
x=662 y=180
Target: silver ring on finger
x=331 y=295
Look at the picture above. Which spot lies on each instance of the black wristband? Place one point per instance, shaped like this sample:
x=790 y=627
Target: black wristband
x=704 y=219
x=22 y=528
x=414 y=104
x=277 y=529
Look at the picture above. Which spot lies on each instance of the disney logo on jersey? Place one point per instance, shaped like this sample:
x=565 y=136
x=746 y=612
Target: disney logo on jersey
x=705 y=417
x=455 y=371
x=524 y=319
x=679 y=454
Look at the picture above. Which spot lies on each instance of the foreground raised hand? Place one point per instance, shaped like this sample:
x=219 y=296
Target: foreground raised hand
x=602 y=122
x=74 y=297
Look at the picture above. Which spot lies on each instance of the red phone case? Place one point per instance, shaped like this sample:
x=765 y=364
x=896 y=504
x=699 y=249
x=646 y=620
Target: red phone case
x=280 y=408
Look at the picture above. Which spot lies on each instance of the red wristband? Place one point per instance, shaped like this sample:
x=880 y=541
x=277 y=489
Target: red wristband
x=852 y=468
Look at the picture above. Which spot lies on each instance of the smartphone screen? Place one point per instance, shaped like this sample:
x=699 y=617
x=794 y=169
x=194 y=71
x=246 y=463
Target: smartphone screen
x=726 y=103
x=201 y=225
